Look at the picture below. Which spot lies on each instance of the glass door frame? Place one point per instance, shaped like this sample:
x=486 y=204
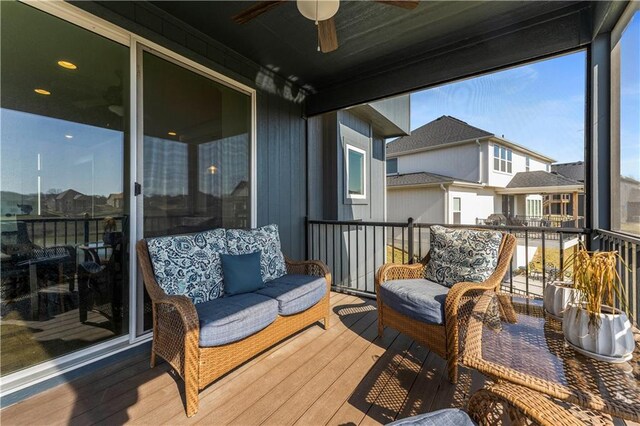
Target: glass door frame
x=55 y=367
x=138 y=47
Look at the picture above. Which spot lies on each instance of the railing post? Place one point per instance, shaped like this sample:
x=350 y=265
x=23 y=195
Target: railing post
x=410 y=238
x=86 y=230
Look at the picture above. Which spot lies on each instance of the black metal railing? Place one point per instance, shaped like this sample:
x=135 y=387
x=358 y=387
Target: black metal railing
x=56 y=231
x=628 y=248
x=354 y=250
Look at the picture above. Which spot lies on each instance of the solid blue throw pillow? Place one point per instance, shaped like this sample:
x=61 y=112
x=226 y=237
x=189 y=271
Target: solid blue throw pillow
x=241 y=273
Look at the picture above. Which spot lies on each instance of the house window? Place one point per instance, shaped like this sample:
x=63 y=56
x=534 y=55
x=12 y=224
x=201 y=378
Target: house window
x=356 y=172
x=527 y=164
x=534 y=208
x=502 y=158
x=625 y=126
x=456 y=210
x=392 y=166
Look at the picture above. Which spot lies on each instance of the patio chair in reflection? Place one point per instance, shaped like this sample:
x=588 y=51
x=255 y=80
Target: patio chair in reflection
x=100 y=285
x=30 y=269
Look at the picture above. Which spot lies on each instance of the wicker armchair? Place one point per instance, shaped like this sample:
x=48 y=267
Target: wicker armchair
x=176 y=330
x=441 y=338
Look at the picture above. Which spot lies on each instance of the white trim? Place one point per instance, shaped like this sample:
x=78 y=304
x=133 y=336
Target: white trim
x=253 y=210
x=81 y=18
x=348 y=147
x=133 y=178
x=50 y=369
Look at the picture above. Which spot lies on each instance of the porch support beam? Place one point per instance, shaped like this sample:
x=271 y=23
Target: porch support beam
x=542 y=36
x=598 y=170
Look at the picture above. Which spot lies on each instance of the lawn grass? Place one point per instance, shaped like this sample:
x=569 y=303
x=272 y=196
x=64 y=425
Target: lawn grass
x=396 y=255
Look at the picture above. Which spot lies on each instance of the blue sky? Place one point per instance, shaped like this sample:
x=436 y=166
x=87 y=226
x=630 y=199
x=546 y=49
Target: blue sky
x=630 y=95
x=541 y=105
x=91 y=162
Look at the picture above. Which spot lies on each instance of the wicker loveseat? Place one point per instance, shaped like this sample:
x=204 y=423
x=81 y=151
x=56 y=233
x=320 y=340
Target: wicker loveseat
x=424 y=300
x=204 y=333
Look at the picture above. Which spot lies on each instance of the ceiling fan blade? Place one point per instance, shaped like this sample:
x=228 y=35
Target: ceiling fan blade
x=327 y=35
x=256 y=10
x=405 y=4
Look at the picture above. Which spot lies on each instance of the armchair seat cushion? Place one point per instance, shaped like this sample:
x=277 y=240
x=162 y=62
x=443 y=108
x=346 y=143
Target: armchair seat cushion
x=420 y=299
x=295 y=293
x=229 y=319
x=446 y=417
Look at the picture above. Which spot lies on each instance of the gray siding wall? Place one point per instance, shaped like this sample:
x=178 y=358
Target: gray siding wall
x=281 y=170
x=357 y=132
x=327 y=135
x=397 y=110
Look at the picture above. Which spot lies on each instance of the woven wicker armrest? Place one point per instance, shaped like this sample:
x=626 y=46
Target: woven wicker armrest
x=185 y=309
x=394 y=271
x=307 y=267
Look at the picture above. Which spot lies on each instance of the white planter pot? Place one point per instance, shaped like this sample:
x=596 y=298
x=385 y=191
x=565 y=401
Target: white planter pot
x=557 y=296
x=612 y=341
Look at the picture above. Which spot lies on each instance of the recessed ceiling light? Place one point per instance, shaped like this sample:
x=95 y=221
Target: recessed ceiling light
x=68 y=136
x=172 y=133
x=68 y=65
x=42 y=92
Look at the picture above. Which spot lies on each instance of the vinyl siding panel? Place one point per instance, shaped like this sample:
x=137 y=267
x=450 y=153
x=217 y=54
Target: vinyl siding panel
x=460 y=162
x=474 y=204
x=424 y=205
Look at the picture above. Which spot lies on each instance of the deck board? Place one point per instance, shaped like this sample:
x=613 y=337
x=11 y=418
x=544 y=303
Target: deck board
x=344 y=375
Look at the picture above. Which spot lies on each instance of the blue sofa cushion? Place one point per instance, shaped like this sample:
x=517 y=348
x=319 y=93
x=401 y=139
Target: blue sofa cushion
x=189 y=264
x=265 y=240
x=295 y=293
x=420 y=299
x=458 y=255
x=446 y=417
x=229 y=319
x=241 y=273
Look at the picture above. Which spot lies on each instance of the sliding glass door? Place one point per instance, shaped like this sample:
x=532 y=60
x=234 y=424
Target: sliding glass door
x=64 y=201
x=196 y=153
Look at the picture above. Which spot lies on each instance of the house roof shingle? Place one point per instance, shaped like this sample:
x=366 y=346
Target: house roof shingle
x=441 y=131
x=540 y=178
x=573 y=170
x=421 y=178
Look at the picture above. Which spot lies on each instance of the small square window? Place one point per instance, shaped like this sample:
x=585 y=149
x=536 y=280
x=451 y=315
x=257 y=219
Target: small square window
x=392 y=166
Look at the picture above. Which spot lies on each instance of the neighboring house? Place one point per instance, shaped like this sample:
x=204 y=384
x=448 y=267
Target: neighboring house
x=629 y=202
x=70 y=202
x=115 y=200
x=448 y=171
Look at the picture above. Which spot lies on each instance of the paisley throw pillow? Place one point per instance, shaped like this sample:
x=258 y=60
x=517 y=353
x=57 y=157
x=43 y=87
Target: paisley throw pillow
x=266 y=240
x=189 y=264
x=458 y=255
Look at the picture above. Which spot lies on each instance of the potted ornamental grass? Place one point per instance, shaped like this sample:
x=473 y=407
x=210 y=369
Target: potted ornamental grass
x=592 y=324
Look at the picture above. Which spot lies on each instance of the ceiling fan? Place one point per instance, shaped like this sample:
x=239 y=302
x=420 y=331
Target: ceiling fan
x=320 y=11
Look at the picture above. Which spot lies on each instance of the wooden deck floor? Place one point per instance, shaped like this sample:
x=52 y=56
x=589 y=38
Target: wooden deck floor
x=341 y=376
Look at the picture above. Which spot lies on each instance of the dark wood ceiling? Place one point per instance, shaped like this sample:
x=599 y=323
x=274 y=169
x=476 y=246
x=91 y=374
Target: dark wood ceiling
x=373 y=37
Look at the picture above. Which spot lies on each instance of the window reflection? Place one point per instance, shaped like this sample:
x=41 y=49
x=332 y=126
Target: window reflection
x=62 y=194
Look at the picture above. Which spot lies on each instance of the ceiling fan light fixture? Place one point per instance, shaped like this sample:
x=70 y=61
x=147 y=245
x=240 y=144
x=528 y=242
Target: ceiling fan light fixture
x=318 y=10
